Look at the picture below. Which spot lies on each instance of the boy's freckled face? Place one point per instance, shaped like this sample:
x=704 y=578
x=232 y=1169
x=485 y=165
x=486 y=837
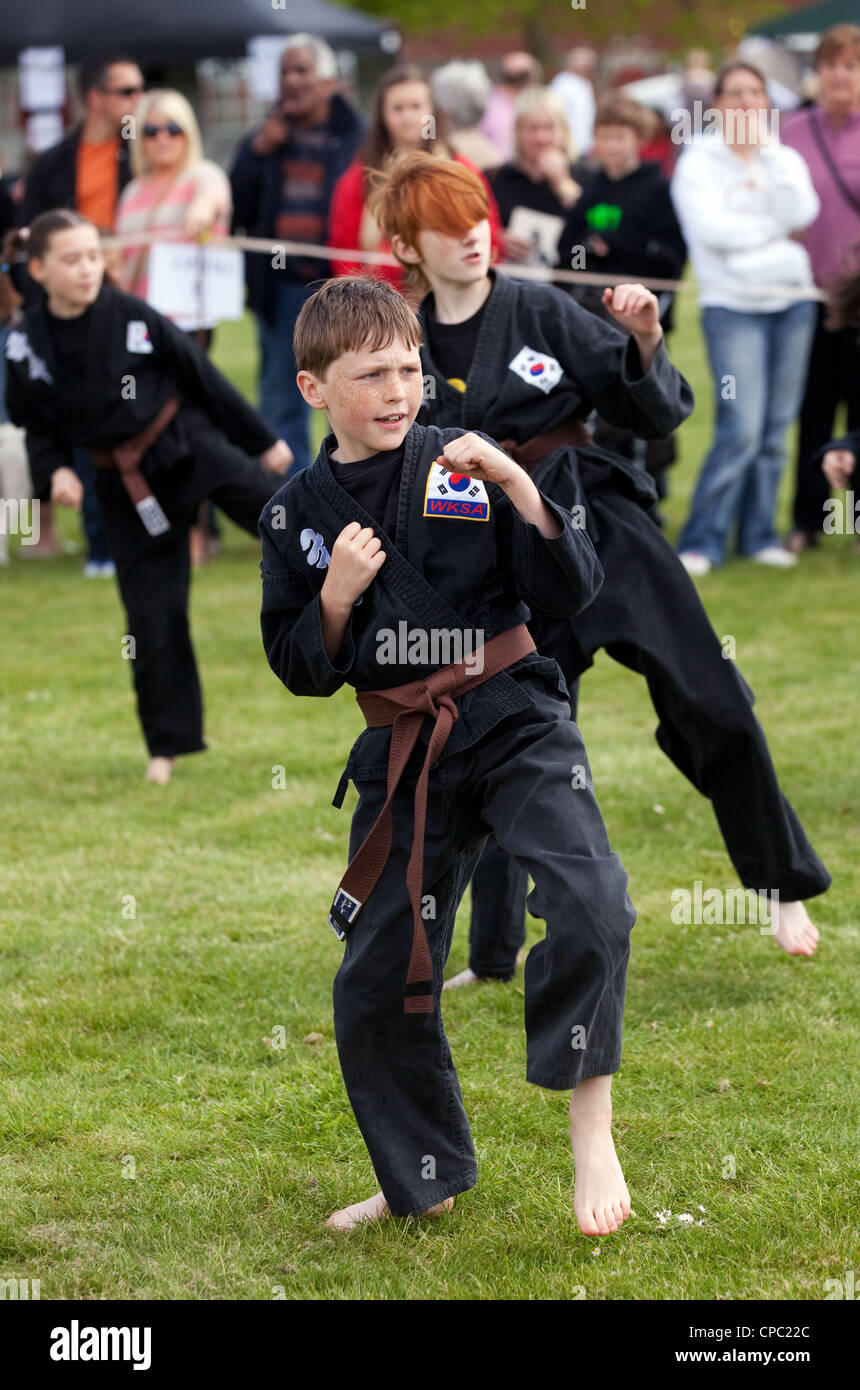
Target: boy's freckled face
x=372 y=398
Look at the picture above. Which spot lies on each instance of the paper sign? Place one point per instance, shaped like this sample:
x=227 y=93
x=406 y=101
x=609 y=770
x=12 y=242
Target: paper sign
x=43 y=129
x=264 y=66
x=41 y=79
x=196 y=286
x=541 y=229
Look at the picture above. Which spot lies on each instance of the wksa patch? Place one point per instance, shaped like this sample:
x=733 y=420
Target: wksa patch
x=537 y=368
x=455 y=494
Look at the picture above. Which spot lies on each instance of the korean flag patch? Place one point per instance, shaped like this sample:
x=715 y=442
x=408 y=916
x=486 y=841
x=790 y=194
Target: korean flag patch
x=537 y=368
x=137 y=337
x=455 y=494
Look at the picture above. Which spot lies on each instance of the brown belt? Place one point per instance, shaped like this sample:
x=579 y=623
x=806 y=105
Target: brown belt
x=404 y=707
x=542 y=445
x=126 y=458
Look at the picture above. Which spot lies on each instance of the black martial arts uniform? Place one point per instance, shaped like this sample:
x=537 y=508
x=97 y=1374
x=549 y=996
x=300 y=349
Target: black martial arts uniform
x=507 y=767
x=538 y=359
x=94 y=381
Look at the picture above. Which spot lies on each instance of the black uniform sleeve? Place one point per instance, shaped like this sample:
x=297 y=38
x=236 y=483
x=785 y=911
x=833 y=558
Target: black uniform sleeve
x=851 y=442
x=45 y=454
x=561 y=575
x=198 y=379
x=606 y=365
x=291 y=623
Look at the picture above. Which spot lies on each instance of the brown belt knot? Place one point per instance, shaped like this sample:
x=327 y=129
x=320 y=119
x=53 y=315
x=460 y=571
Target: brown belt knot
x=404 y=708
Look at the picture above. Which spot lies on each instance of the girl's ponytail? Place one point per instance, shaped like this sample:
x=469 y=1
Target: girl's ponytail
x=12 y=255
x=30 y=243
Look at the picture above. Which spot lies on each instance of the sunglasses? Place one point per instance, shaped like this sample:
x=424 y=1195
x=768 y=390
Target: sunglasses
x=151 y=130
x=123 y=91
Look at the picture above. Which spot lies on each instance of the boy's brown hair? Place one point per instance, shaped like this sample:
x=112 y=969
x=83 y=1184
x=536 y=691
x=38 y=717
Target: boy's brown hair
x=621 y=110
x=419 y=192
x=347 y=314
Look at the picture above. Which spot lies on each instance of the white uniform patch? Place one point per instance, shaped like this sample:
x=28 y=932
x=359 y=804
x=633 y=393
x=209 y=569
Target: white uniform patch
x=537 y=368
x=137 y=337
x=19 y=349
x=455 y=494
x=312 y=542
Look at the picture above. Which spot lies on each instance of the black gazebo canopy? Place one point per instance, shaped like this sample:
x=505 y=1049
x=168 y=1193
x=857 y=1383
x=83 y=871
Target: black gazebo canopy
x=181 y=30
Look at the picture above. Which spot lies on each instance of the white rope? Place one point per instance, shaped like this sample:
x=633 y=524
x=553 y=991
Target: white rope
x=263 y=246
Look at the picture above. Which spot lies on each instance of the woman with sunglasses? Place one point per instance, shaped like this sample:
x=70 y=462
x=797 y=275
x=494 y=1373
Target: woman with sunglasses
x=178 y=195
x=175 y=192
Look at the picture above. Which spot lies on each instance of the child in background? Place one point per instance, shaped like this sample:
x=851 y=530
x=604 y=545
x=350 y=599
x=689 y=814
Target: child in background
x=90 y=367
x=624 y=223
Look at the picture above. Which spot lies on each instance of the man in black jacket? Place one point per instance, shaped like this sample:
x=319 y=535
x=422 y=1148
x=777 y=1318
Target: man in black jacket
x=283 y=178
x=88 y=169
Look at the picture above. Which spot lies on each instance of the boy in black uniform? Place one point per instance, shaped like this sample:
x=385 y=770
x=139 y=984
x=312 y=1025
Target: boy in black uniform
x=401 y=562
x=91 y=367
x=528 y=364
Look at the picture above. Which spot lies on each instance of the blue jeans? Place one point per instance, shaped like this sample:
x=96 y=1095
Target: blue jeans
x=282 y=405
x=759 y=367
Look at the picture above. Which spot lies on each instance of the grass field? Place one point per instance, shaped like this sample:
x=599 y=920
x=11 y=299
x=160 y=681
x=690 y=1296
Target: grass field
x=154 y=941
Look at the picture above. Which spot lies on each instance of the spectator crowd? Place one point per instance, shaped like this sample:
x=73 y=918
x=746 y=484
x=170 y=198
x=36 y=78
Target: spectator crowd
x=766 y=211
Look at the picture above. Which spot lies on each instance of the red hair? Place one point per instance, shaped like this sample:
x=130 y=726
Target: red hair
x=419 y=192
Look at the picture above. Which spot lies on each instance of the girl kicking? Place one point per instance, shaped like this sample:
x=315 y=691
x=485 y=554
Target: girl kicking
x=91 y=367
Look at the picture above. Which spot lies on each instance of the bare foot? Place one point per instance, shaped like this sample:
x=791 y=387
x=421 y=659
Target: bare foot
x=159 y=770
x=465 y=977
x=795 y=933
x=601 y=1201
x=376 y=1209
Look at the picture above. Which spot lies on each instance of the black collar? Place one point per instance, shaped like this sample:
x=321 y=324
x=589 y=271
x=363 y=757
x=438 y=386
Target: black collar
x=482 y=379
x=417 y=596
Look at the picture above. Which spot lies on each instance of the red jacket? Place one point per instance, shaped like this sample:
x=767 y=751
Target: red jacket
x=345 y=219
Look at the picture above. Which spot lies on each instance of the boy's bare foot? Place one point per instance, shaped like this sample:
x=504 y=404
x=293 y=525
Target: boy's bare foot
x=465 y=977
x=376 y=1209
x=159 y=770
x=795 y=933
x=601 y=1201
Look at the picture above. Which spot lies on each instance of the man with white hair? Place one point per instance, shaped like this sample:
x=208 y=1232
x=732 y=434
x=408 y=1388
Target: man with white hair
x=461 y=91
x=575 y=90
x=283 y=177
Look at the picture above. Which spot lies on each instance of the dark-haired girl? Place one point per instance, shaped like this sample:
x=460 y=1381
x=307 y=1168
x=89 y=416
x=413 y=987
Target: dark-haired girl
x=91 y=367
x=403 y=119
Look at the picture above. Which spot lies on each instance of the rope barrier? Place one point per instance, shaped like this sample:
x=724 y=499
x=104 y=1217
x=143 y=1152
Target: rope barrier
x=546 y=274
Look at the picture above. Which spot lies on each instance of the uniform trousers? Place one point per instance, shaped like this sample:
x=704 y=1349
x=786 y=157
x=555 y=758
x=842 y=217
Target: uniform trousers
x=527 y=781
x=154 y=573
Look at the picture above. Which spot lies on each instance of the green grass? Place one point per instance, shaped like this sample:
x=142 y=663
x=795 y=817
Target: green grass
x=154 y=1146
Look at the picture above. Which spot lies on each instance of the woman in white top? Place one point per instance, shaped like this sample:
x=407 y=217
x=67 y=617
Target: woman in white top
x=742 y=199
